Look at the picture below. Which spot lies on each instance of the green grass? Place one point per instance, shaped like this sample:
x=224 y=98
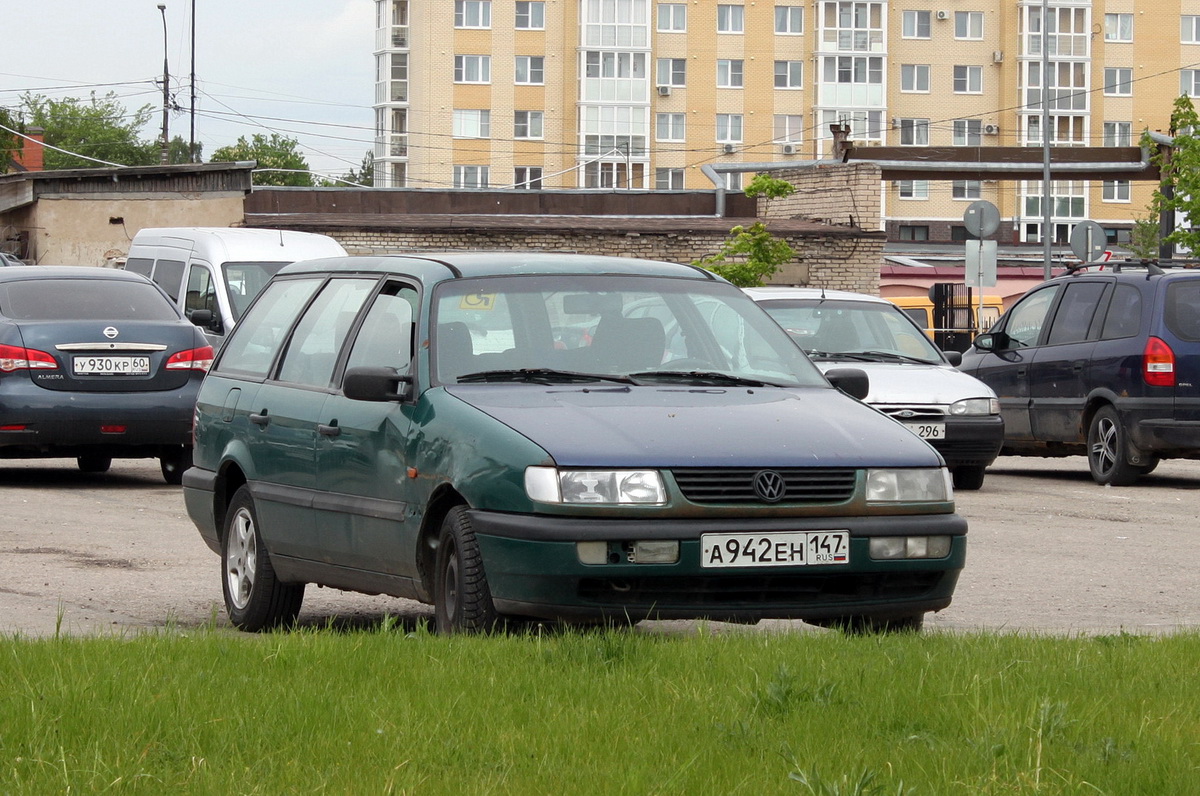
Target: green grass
x=388 y=711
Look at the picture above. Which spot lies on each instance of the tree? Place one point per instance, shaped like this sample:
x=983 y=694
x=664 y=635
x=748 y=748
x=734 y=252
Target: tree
x=366 y=172
x=752 y=254
x=1144 y=237
x=1179 y=190
x=276 y=152
x=99 y=127
x=10 y=144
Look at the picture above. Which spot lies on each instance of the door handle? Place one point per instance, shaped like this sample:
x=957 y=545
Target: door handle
x=260 y=419
x=1078 y=366
x=331 y=430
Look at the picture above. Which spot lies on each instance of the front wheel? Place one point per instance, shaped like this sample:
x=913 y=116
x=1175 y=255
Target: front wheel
x=1107 y=445
x=254 y=597
x=462 y=598
x=174 y=462
x=968 y=478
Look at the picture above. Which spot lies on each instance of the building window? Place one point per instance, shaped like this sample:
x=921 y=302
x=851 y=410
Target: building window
x=670 y=126
x=915 y=25
x=914 y=189
x=472 y=69
x=959 y=233
x=914 y=232
x=672 y=72
x=914 y=132
x=1118 y=81
x=528 y=177
x=914 y=77
x=968 y=79
x=472 y=123
x=672 y=17
x=1189 y=82
x=528 y=124
x=1118 y=134
x=732 y=180
x=1118 y=27
x=668 y=179
x=789 y=128
x=531 y=70
x=968 y=132
x=854 y=70
x=1116 y=191
x=729 y=73
x=729 y=128
x=789 y=74
x=864 y=125
x=965 y=189
x=472 y=13
x=789 y=20
x=852 y=26
x=623 y=65
x=1189 y=29
x=470 y=176
x=731 y=19
x=968 y=24
x=531 y=15
x=612 y=175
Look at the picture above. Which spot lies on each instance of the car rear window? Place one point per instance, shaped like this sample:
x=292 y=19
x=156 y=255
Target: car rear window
x=1183 y=309
x=84 y=300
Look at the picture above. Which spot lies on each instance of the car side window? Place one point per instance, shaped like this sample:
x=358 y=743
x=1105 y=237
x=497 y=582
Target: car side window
x=252 y=347
x=1025 y=321
x=200 y=292
x=385 y=338
x=319 y=336
x=169 y=274
x=1124 y=317
x=1183 y=309
x=140 y=265
x=1075 y=312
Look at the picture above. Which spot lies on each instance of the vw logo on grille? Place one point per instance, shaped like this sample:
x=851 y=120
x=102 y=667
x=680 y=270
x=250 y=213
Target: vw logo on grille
x=769 y=485
x=110 y=332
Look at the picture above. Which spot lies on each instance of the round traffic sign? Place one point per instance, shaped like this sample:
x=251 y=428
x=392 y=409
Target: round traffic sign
x=981 y=218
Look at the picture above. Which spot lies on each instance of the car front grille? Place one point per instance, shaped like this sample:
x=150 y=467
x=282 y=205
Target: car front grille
x=912 y=413
x=966 y=451
x=801 y=485
x=742 y=591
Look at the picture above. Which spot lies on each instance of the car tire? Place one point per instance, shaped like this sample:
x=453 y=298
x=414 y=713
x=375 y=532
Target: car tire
x=462 y=598
x=94 y=463
x=174 y=463
x=254 y=597
x=1106 y=450
x=969 y=478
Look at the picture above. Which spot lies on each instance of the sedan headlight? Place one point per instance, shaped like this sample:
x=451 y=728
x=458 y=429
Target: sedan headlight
x=975 y=406
x=910 y=485
x=595 y=487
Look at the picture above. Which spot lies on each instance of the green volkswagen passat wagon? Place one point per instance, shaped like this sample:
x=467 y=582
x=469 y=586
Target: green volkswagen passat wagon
x=555 y=437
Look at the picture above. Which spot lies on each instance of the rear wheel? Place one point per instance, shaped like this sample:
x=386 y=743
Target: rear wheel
x=462 y=598
x=254 y=597
x=175 y=462
x=1107 y=445
x=94 y=463
x=968 y=478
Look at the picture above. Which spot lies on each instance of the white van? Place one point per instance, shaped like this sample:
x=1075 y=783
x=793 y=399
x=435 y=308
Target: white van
x=220 y=269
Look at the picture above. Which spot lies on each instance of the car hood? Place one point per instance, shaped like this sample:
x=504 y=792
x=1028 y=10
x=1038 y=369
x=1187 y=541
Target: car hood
x=700 y=426
x=910 y=383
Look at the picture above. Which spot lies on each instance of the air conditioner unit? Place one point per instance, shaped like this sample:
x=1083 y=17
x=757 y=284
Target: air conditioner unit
x=991 y=129
x=943 y=15
x=727 y=149
x=664 y=91
x=789 y=149
x=997 y=56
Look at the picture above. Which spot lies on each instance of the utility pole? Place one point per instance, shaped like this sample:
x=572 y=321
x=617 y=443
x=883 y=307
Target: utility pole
x=192 y=137
x=166 y=141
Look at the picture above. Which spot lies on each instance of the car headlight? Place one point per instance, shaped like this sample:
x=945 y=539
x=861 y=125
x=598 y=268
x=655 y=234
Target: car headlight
x=909 y=485
x=975 y=406
x=596 y=487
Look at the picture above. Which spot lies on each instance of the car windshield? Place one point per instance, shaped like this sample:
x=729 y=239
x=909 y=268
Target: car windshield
x=244 y=281
x=610 y=328
x=853 y=330
x=84 y=300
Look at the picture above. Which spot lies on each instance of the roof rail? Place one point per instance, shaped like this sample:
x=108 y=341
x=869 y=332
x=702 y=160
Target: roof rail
x=1152 y=266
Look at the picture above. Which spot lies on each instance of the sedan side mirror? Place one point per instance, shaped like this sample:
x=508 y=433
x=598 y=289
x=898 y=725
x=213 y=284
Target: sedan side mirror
x=988 y=341
x=852 y=381
x=376 y=384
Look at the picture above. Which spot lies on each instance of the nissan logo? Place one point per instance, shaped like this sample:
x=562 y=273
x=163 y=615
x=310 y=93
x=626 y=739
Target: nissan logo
x=110 y=332
x=770 y=486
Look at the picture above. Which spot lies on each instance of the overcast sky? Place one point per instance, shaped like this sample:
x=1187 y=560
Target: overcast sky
x=301 y=68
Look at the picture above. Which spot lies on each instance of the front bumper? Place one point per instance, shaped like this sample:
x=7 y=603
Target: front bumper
x=533 y=570
x=971 y=441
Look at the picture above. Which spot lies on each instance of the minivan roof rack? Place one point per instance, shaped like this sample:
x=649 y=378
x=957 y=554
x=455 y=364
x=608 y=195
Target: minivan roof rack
x=1151 y=266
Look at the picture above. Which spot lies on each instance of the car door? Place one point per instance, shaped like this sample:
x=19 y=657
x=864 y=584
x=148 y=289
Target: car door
x=1006 y=368
x=366 y=488
x=1059 y=374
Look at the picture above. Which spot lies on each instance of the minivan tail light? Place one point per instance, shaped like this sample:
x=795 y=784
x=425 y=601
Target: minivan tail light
x=1158 y=363
x=192 y=359
x=15 y=357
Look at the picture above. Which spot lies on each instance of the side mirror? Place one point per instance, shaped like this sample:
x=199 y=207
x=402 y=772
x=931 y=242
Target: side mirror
x=852 y=381
x=953 y=357
x=988 y=341
x=201 y=317
x=376 y=384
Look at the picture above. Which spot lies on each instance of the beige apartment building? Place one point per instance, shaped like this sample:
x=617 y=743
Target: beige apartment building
x=639 y=94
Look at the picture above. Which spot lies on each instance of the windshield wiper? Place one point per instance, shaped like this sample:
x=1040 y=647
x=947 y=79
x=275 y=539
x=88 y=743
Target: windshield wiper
x=539 y=376
x=893 y=356
x=707 y=376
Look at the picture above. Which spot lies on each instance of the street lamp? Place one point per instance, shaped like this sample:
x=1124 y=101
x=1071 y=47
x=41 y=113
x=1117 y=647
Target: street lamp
x=166 y=142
